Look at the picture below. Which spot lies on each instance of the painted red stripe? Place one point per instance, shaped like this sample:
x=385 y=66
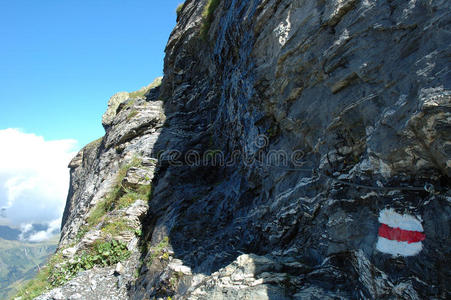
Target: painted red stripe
x=400 y=235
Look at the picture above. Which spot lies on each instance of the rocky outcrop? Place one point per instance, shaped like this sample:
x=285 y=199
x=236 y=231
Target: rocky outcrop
x=107 y=202
x=302 y=150
x=132 y=133
x=121 y=97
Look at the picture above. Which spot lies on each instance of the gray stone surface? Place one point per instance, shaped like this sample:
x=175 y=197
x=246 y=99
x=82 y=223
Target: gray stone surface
x=96 y=284
x=94 y=169
x=362 y=90
x=113 y=104
x=94 y=172
x=356 y=93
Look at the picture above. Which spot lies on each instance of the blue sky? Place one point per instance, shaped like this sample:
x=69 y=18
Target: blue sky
x=60 y=61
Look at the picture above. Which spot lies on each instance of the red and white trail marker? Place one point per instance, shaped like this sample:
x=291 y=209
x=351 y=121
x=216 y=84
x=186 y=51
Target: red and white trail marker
x=399 y=235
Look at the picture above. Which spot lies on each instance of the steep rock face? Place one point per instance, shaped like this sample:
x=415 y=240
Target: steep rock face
x=329 y=112
x=132 y=132
x=306 y=154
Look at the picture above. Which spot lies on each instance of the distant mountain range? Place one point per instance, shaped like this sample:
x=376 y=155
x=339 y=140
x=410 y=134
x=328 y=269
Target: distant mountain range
x=8 y=233
x=15 y=234
x=20 y=260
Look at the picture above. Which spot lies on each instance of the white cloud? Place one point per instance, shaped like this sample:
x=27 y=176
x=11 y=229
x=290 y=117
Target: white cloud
x=40 y=236
x=25 y=228
x=34 y=178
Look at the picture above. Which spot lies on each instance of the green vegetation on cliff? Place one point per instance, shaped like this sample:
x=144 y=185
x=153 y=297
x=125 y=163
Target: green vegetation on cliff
x=179 y=8
x=58 y=271
x=119 y=197
x=208 y=16
x=141 y=92
x=101 y=253
x=107 y=250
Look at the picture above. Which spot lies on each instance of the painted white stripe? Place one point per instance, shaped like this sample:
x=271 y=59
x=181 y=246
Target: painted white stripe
x=396 y=248
x=395 y=220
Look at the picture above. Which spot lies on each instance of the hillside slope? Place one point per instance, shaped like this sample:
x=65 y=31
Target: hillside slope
x=19 y=262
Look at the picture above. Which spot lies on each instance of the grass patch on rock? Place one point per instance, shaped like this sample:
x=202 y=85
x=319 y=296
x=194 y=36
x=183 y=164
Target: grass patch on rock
x=179 y=9
x=81 y=233
x=158 y=251
x=143 y=192
x=116 y=227
x=101 y=253
x=112 y=199
x=118 y=198
x=57 y=271
x=132 y=114
x=208 y=17
x=142 y=92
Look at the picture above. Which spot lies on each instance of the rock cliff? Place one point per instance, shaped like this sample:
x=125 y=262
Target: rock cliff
x=294 y=150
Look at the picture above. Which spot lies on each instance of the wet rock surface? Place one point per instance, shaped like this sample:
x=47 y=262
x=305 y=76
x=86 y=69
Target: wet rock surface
x=324 y=115
x=356 y=96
